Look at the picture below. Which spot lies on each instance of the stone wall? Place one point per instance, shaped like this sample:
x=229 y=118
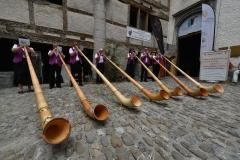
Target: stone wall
x=227 y=24
x=13 y=10
x=48 y=16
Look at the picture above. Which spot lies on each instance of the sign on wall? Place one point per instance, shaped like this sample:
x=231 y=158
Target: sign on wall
x=208 y=26
x=190 y=25
x=138 y=34
x=214 y=65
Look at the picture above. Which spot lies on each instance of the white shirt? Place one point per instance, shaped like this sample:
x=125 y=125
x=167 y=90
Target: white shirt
x=142 y=54
x=56 y=53
x=71 y=51
x=15 y=46
x=101 y=58
x=129 y=55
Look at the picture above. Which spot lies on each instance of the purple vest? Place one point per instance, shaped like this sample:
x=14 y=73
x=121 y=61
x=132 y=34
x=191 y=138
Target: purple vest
x=158 y=58
x=130 y=60
x=19 y=55
x=144 y=59
x=53 y=59
x=97 y=61
x=73 y=58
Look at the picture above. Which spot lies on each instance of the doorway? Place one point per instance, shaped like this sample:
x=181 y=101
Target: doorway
x=189 y=54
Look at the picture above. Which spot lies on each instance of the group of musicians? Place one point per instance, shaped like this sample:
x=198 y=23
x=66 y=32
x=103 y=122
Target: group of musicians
x=22 y=74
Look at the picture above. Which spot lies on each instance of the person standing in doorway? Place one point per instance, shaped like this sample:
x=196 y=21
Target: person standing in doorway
x=145 y=58
x=76 y=63
x=156 y=66
x=235 y=76
x=21 y=71
x=100 y=63
x=130 y=63
x=168 y=64
x=55 y=67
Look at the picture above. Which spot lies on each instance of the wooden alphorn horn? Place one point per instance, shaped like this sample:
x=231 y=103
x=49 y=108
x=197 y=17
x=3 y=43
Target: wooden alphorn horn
x=176 y=92
x=211 y=89
x=55 y=130
x=162 y=95
x=199 y=92
x=134 y=101
x=100 y=112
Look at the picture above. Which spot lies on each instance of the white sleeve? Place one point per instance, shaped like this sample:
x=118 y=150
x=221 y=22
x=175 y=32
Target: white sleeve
x=14 y=46
x=70 y=51
x=49 y=52
x=96 y=55
x=128 y=55
x=32 y=48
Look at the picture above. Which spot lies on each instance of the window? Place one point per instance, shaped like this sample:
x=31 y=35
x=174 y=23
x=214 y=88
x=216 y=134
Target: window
x=133 y=17
x=59 y=2
x=143 y=22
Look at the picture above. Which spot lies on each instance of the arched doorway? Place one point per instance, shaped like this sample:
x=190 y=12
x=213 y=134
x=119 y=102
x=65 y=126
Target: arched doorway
x=189 y=41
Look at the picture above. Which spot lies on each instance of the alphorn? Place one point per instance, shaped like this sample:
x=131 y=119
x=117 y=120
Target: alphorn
x=162 y=95
x=199 y=92
x=176 y=92
x=55 y=130
x=211 y=89
x=134 y=101
x=99 y=112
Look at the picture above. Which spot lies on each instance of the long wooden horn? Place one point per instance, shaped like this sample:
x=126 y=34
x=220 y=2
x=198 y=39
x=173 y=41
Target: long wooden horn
x=199 y=92
x=211 y=89
x=55 y=130
x=134 y=101
x=99 y=112
x=176 y=92
x=162 y=95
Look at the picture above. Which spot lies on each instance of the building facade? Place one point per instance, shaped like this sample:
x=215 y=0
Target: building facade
x=187 y=39
x=93 y=24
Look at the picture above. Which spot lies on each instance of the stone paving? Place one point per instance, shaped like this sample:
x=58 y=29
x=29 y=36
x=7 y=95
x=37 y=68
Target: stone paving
x=183 y=127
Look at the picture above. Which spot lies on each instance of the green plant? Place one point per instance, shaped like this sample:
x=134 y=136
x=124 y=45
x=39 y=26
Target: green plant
x=111 y=72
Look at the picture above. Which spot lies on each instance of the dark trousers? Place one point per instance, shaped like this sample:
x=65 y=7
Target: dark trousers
x=77 y=68
x=130 y=69
x=55 y=68
x=168 y=66
x=100 y=67
x=156 y=68
x=144 y=72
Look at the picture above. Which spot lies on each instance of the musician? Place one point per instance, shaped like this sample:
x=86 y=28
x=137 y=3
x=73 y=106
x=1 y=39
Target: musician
x=156 y=66
x=168 y=64
x=100 y=63
x=130 y=63
x=76 y=63
x=55 y=67
x=145 y=57
x=21 y=71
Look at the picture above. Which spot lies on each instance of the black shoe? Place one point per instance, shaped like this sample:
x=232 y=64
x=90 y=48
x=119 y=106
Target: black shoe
x=51 y=87
x=141 y=80
x=233 y=83
x=145 y=81
x=71 y=85
x=59 y=86
x=80 y=84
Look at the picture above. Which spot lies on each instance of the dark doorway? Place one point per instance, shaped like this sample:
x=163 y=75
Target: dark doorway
x=42 y=49
x=189 y=53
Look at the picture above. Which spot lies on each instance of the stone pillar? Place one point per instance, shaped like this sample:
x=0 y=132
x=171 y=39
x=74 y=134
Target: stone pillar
x=99 y=27
x=99 y=24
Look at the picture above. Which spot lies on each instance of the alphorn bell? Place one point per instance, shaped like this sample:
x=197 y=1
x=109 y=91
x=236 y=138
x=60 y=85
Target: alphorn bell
x=100 y=112
x=176 y=92
x=55 y=130
x=134 y=101
x=211 y=89
x=199 y=92
x=162 y=95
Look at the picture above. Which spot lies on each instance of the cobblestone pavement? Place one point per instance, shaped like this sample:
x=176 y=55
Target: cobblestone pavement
x=183 y=127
